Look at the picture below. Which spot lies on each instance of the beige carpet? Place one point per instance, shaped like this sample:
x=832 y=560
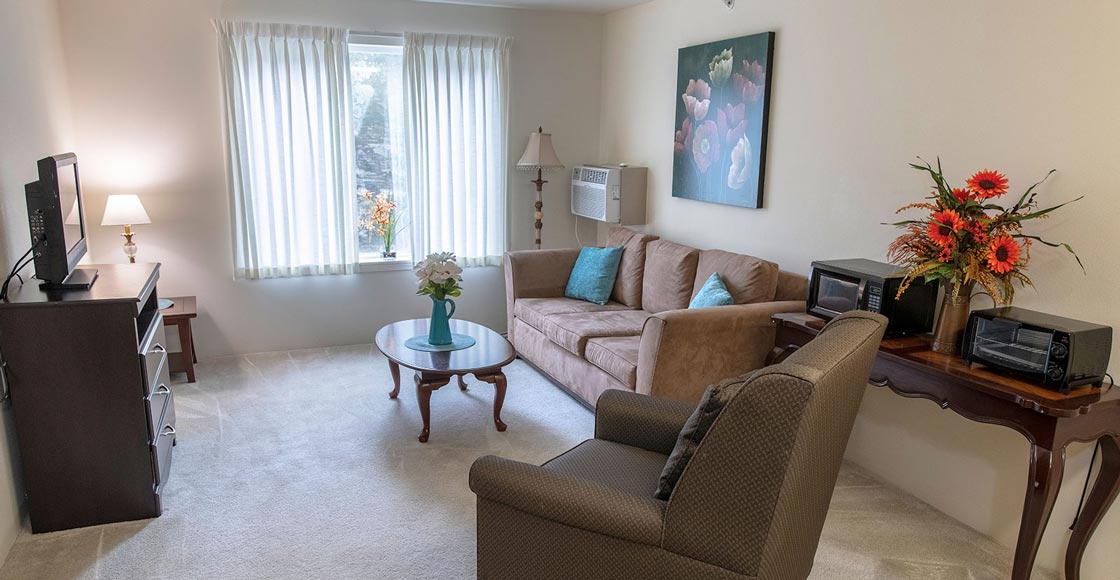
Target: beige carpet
x=298 y=466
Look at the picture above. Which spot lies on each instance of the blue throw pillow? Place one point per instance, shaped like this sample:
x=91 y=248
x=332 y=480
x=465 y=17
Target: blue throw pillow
x=593 y=277
x=714 y=293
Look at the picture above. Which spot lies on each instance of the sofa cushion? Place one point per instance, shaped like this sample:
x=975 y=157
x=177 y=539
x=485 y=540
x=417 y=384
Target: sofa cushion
x=628 y=469
x=669 y=277
x=572 y=331
x=628 y=284
x=617 y=355
x=750 y=280
x=713 y=293
x=592 y=278
x=534 y=310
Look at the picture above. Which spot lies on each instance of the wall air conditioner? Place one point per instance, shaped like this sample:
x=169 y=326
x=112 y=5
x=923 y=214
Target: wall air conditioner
x=614 y=194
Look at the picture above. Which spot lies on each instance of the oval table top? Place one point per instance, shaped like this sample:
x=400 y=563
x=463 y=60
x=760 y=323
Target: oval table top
x=489 y=352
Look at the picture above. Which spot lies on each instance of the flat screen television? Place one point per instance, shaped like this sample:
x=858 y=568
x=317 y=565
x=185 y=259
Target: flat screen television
x=56 y=214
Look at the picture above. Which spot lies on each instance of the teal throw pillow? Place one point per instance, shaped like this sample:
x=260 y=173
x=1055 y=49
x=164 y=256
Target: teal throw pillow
x=714 y=293
x=593 y=277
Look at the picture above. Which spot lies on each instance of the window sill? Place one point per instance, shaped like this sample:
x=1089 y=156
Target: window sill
x=377 y=264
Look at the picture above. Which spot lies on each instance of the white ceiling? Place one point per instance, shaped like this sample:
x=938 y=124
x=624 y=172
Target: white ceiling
x=601 y=6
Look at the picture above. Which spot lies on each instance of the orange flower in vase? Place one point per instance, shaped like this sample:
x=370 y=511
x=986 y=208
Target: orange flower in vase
x=943 y=226
x=987 y=184
x=1003 y=254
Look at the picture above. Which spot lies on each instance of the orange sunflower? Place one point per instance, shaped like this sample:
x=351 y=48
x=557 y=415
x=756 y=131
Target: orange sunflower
x=987 y=184
x=943 y=224
x=1003 y=254
x=962 y=195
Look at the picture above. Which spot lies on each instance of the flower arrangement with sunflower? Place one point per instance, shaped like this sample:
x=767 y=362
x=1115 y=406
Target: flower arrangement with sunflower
x=968 y=239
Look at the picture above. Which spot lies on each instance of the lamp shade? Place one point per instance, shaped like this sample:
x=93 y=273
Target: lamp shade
x=124 y=210
x=540 y=154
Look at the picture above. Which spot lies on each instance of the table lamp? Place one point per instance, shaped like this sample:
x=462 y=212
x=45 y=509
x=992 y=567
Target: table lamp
x=125 y=210
x=539 y=156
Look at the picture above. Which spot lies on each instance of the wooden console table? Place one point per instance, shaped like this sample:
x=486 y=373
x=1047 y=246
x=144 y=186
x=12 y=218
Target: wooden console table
x=1049 y=420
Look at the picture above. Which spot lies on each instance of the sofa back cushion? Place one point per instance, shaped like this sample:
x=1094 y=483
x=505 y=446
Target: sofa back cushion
x=750 y=280
x=669 y=277
x=628 y=284
x=792 y=287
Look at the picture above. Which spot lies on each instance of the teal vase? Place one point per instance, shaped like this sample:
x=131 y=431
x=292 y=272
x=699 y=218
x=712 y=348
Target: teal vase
x=440 y=332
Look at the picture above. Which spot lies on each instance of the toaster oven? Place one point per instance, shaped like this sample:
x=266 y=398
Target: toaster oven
x=1051 y=351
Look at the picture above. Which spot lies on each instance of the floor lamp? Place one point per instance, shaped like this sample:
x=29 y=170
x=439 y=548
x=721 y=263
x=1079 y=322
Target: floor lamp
x=539 y=156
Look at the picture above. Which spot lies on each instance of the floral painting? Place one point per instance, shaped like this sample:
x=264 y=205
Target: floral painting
x=723 y=105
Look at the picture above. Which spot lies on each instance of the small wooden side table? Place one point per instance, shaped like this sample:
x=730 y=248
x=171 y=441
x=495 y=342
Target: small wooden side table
x=1049 y=420
x=180 y=315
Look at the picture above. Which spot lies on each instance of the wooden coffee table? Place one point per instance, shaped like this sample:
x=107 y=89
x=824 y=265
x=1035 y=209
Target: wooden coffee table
x=484 y=360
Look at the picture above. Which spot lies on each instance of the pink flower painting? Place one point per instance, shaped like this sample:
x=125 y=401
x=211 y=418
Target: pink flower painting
x=719 y=142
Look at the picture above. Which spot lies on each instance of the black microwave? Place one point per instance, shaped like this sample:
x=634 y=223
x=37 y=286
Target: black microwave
x=839 y=286
x=1051 y=351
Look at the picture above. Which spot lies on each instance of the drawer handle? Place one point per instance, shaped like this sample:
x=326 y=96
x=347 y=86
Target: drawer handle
x=162 y=389
x=157 y=347
x=167 y=430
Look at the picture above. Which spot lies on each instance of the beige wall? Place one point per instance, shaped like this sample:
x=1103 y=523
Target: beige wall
x=860 y=88
x=34 y=123
x=149 y=120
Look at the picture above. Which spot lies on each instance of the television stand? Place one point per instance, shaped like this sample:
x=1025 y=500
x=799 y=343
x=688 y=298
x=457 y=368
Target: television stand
x=79 y=279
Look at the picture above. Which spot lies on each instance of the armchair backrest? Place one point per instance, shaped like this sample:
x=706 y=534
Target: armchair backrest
x=754 y=496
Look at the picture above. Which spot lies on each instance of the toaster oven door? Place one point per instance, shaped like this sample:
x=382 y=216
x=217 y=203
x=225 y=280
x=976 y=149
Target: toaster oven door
x=1008 y=344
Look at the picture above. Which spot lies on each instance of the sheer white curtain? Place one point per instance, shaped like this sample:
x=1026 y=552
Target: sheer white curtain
x=291 y=148
x=456 y=105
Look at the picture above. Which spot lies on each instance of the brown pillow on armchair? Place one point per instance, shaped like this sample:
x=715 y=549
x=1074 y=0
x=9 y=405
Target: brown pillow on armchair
x=715 y=399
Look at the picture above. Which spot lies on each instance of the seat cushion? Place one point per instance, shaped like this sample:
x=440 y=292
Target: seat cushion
x=628 y=284
x=572 y=331
x=669 y=277
x=750 y=280
x=592 y=278
x=628 y=469
x=533 y=311
x=617 y=355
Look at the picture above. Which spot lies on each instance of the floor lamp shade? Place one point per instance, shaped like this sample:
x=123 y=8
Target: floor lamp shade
x=539 y=156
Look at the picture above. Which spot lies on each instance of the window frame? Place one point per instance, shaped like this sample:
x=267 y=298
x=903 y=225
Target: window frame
x=368 y=263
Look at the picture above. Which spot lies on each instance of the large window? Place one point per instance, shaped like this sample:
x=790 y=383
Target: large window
x=378 y=107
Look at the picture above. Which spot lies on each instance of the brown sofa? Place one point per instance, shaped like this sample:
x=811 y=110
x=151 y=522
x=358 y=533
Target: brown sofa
x=645 y=339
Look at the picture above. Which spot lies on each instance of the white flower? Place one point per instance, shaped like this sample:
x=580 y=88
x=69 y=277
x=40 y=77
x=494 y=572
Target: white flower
x=740 y=164
x=437 y=269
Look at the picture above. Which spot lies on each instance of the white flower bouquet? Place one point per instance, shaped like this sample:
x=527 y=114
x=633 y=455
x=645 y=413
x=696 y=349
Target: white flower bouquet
x=439 y=276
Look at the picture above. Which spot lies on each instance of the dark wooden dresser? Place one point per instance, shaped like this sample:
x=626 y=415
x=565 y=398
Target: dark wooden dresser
x=91 y=397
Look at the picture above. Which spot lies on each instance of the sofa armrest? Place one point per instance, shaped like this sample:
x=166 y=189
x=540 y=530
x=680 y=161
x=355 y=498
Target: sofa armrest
x=568 y=500
x=684 y=351
x=537 y=274
x=640 y=420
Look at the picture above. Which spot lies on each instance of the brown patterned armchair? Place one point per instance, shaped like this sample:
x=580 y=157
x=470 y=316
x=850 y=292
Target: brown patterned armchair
x=750 y=502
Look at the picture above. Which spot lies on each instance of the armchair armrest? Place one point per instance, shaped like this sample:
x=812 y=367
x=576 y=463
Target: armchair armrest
x=537 y=274
x=568 y=500
x=683 y=351
x=640 y=420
